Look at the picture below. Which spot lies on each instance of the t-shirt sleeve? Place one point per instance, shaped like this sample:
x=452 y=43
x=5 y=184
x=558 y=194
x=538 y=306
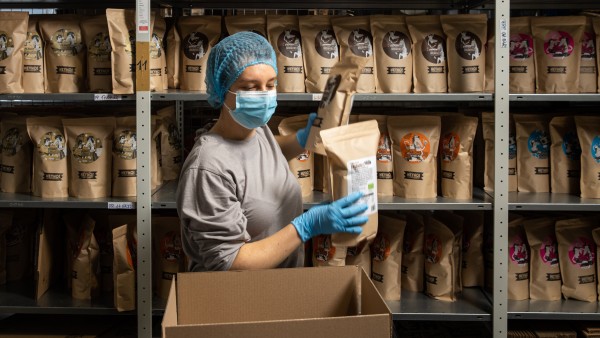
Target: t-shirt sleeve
x=212 y=220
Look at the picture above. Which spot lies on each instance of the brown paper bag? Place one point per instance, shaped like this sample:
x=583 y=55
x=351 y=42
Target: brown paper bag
x=173 y=57
x=588 y=132
x=170 y=145
x=596 y=236
x=155 y=152
x=303 y=165
x=533 y=152
x=596 y=26
x=557 y=53
x=413 y=258
x=90 y=156
x=393 y=54
x=455 y=223
x=490 y=56
x=588 y=75
x=415 y=142
x=487 y=120
x=429 y=42
x=13 y=32
x=19 y=242
x=351 y=151
x=246 y=23
x=284 y=36
x=518 y=261
x=320 y=50
x=169 y=256
x=33 y=58
x=103 y=235
x=198 y=35
x=545 y=281
x=355 y=39
x=522 y=59
x=324 y=253
x=565 y=152
x=472 y=248
x=387 y=256
x=124 y=157
x=97 y=41
x=456 y=152
x=124 y=266
x=16 y=156
x=466 y=35
x=5 y=224
x=50 y=171
x=84 y=254
x=385 y=166
x=158 y=60
x=360 y=255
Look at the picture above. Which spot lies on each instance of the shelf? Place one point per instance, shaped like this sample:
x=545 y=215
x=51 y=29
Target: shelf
x=74 y=97
x=472 y=305
x=553 y=310
x=9 y=200
x=551 y=202
x=554 y=4
x=555 y=97
x=166 y=196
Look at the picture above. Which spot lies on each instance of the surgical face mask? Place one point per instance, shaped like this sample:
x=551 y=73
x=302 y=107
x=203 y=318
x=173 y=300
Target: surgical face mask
x=253 y=109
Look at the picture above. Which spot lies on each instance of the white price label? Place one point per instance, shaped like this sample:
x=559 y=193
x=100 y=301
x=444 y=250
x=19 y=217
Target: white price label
x=317 y=97
x=143 y=20
x=362 y=176
x=107 y=97
x=503 y=34
x=120 y=205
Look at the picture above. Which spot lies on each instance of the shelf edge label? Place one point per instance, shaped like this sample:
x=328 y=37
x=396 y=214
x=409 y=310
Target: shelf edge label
x=107 y=97
x=121 y=205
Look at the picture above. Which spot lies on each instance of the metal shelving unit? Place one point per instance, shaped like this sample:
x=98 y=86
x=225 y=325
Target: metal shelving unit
x=72 y=97
x=555 y=97
x=551 y=202
x=553 y=310
x=10 y=200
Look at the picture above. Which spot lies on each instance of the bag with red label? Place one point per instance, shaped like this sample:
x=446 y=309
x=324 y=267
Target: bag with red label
x=522 y=61
x=386 y=252
x=518 y=260
x=545 y=280
x=588 y=75
x=169 y=257
x=596 y=236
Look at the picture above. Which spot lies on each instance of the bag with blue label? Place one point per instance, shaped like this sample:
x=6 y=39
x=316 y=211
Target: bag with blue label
x=588 y=131
x=565 y=167
x=533 y=153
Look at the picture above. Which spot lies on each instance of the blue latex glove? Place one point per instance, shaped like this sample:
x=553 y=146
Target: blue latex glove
x=339 y=216
x=302 y=134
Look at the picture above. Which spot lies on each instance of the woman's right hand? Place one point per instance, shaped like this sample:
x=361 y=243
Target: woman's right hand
x=339 y=216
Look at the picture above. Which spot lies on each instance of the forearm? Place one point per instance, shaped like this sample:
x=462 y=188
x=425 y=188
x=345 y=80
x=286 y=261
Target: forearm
x=269 y=252
x=289 y=146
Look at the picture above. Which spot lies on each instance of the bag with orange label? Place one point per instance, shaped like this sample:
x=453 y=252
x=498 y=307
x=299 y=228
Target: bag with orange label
x=325 y=254
x=169 y=256
x=124 y=266
x=456 y=151
x=386 y=252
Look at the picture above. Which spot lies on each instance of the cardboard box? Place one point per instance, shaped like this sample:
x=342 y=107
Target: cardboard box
x=290 y=303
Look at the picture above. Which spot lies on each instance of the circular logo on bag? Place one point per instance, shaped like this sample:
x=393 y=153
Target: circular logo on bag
x=596 y=149
x=570 y=146
x=87 y=148
x=512 y=146
x=12 y=142
x=450 y=147
x=582 y=253
x=333 y=82
x=170 y=246
x=396 y=45
x=7 y=45
x=384 y=150
x=588 y=46
x=415 y=147
x=99 y=48
x=558 y=44
x=65 y=42
x=156 y=46
x=33 y=47
x=380 y=248
x=125 y=145
x=52 y=146
x=360 y=42
x=433 y=249
x=538 y=144
x=468 y=45
x=323 y=251
x=195 y=46
x=174 y=138
x=521 y=46
x=549 y=250
x=304 y=156
x=519 y=253
x=326 y=44
x=130 y=43
x=433 y=48
x=289 y=44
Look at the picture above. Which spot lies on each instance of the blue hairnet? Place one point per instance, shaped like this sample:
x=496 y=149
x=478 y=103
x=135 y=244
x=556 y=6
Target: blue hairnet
x=230 y=57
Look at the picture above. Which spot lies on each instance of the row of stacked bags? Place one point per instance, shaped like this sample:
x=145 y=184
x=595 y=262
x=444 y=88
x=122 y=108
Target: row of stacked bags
x=83 y=157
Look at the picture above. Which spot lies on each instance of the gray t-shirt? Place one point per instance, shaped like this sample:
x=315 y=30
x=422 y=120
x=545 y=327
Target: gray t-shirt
x=232 y=192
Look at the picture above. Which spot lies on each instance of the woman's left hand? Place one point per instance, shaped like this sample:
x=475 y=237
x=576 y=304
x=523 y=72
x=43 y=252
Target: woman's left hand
x=302 y=134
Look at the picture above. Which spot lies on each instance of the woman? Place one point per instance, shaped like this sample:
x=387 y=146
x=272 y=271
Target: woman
x=239 y=204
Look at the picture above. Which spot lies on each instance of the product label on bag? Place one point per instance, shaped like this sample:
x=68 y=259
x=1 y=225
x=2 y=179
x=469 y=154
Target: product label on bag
x=362 y=176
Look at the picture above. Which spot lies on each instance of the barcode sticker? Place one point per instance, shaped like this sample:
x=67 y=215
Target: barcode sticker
x=120 y=205
x=107 y=97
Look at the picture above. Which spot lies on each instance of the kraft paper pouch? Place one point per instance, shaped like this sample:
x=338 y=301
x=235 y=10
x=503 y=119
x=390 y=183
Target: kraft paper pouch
x=16 y=156
x=158 y=60
x=588 y=75
x=522 y=58
x=386 y=252
x=246 y=23
x=533 y=152
x=545 y=280
x=456 y=151
x=169 y=256
x=429 y=44
x=124 y=157
x=336 y=104
x=415 y=142
x=170 y=145
x=360 y=255
x=596 y=236
x=65 y=54
x=13 y=34
x=472 y=248
x=565 y=155
x=466 y=35
x=90 y=148
x=355 y=39
x=320 y=48
x=303 y=165
x=198 y=35
x=97 y=40
x=490 y=55
x=155 y=148
x=124 y=266
x=103 y=235
x=413 y=258
x=577 y=258
x=5 y=224
x=352 y=151
x=393 y=54
x=19 y=241
x=557 y=53
x=455 y=223
x=173 y=57
x=487 y=121
x=588 y=132
x=385 y=166
x=50 y=170
x=33 y=58
x=84 y=256
x=284 y=36
x=326 y=254
x=518 y=261
x=596 y=26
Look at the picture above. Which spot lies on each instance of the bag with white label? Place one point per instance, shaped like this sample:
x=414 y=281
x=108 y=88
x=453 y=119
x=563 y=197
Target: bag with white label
x=545 y=280
x=386 y=252
x=588 y=131
x=588 y=74
x=518 y=260
x=324 y=253
x=284 y=36
x=522 y=57
x=13 y=27
x=169 y=256
x=352 y=151
x=533 y=153
x=429 y=42
x=320 y=50
x=413 y=258
x=565 y=152
x=456 y=151
x=385 y=166
x=16 y=156
x=33 y=58
x=303 y=165
x=97 y=40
